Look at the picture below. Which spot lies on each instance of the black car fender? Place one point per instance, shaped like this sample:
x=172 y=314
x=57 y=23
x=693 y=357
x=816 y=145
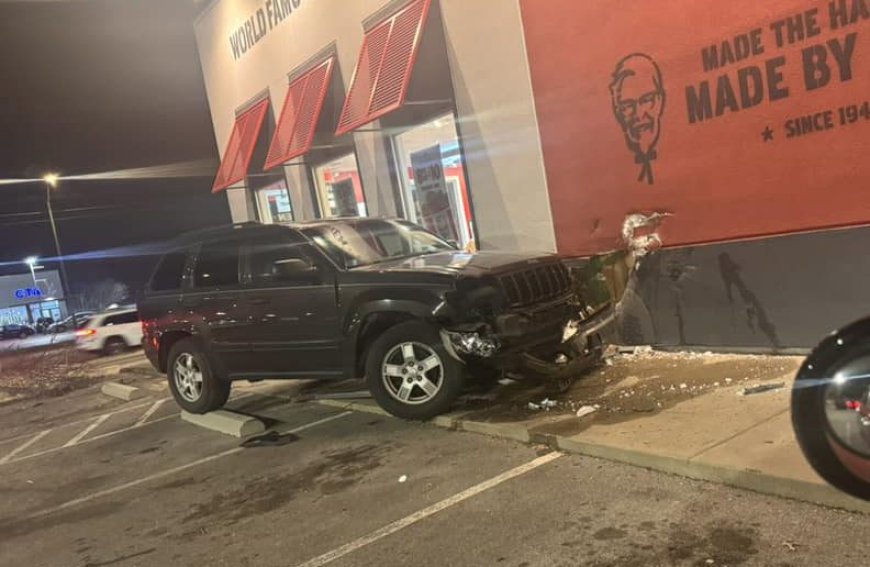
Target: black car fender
x=371 y=318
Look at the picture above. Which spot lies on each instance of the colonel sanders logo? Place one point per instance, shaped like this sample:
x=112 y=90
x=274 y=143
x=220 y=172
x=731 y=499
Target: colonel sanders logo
x=638 y=102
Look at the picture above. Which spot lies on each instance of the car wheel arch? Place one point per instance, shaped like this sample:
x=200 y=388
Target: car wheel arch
x=375 y=323
x=167 y=341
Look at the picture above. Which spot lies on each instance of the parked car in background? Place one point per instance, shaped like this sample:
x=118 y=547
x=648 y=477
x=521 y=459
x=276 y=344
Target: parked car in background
x=16 y=331
x=347 y=298
x=43 y=323
x=81 y=319
x=111 y=332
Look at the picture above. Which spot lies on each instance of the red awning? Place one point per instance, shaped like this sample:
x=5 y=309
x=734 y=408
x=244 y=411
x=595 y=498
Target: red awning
x=295 y=131
x=383 y=70
x=240 y=148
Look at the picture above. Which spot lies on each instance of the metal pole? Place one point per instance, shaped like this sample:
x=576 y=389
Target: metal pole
x=35 y=286
x=64 y=281
x=33 y=274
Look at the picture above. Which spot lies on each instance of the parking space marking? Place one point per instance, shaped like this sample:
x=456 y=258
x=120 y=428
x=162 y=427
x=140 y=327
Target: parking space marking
x=24 y=446
x=84 y=432
x=102 y=418
x=84 y=441
x=149 y=412
x=403 y=523
x=83 y=420
x=172 y=471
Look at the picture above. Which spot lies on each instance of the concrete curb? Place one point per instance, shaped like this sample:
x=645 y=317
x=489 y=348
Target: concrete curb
x=122 y=391
x=755 y=481
x=227 y=422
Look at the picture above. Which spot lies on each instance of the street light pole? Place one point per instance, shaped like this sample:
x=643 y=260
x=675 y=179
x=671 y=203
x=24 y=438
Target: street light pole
x=32 y=262
x=51 y=180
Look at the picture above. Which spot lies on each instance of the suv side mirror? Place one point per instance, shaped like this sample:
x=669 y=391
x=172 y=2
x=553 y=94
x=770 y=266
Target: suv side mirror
x=296 y=270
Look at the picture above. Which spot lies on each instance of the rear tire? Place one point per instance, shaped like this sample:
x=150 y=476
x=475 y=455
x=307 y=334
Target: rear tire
x=114 y=345
x=410 y=373
x=192 y=379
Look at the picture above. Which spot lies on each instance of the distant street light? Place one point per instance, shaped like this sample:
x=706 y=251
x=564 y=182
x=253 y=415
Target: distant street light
x=51 y=181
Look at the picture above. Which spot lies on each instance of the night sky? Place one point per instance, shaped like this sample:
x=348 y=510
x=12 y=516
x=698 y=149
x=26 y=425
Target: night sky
x=94 y=86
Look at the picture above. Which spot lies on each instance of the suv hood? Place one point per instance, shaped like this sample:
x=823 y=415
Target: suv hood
x=457 y=262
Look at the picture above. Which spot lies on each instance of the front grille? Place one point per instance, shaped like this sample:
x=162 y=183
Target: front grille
x=534 y=285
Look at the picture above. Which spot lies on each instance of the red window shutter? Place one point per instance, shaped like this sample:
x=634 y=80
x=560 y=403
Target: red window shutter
x=240 y=148
x=295 y=131
x=383 y=71
x=359 y=97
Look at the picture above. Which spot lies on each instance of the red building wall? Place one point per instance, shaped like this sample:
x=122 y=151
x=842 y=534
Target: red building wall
x=734 y=169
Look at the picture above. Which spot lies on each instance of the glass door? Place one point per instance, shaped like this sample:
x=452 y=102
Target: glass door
x=431 y=171
x=339 y=190
x=273 y=203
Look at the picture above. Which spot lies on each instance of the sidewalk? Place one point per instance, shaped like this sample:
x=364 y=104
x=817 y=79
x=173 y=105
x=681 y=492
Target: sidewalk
x=680 y=413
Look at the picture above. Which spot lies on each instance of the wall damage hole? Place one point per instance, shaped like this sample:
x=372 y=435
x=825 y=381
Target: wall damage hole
x=639 y=232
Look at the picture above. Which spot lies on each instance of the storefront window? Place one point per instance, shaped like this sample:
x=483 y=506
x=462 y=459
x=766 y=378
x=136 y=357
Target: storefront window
x=46 y=310
x=339 y=190
x=433 y=180
x=13 y=315
x=273 y=203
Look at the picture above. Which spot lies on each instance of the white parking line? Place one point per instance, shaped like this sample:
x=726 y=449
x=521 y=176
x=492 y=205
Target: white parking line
x=83 y=420
x=24 y=446
x=84 y=441
x=394 y=527
x=149 y=412
x=107 y=434
x=84 y=432
x=174 y=470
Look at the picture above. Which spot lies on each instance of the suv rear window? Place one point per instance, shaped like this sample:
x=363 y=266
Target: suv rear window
x=170 y=271
x=217 y=264
x=121 y=319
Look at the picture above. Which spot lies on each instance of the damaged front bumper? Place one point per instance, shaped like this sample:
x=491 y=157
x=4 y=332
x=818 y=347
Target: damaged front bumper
x=555 y=354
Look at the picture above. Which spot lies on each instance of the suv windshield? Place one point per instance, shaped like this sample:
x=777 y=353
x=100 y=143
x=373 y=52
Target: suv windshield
x=354 y=243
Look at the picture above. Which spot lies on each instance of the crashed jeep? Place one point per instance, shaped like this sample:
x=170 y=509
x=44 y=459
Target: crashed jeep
x=430 y=318
x=343 y=298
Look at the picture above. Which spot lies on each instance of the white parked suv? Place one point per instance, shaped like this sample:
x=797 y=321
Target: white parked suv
x=111 y=332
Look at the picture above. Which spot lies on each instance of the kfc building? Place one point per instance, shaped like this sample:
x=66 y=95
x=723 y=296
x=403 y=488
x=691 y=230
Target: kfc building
x=523 y=124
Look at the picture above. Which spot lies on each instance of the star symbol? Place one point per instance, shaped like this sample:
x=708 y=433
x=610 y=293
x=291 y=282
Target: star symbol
x=767 y=134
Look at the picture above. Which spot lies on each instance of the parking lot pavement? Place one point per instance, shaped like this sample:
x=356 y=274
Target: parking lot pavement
x=347 y=488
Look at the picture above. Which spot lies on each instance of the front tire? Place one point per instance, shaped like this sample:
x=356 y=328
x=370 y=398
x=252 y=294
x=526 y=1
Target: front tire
x=192 y=379
x=410 y=373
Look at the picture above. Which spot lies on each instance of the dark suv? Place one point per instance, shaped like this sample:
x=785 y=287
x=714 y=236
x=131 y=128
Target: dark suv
x=344 y=298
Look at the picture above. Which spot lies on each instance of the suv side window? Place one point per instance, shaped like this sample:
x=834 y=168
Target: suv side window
x=169 y=272
x=265 y=253
x=217 y=264
x=121 y=319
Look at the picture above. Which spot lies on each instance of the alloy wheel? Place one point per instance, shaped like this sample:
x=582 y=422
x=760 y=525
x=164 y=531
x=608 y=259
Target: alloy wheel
x=412 y=373
x=188 y=377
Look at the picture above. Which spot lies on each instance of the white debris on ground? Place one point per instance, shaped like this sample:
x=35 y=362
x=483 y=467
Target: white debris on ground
x=546 y=404
x=585 y=410
x=403 y=478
